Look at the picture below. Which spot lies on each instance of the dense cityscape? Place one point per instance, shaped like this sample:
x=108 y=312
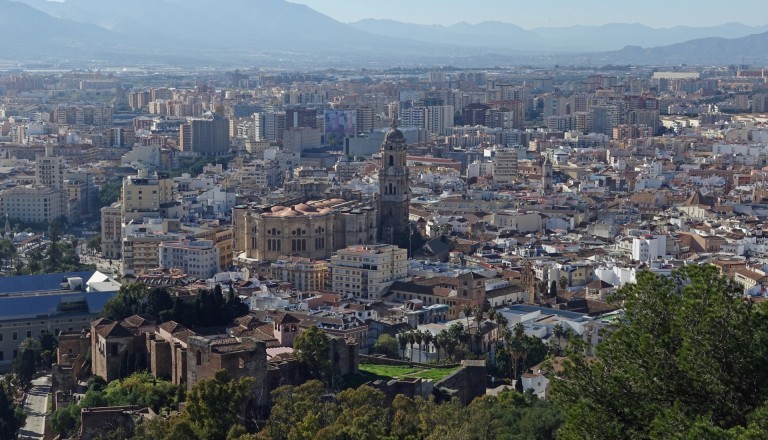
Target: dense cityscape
x=383 y=249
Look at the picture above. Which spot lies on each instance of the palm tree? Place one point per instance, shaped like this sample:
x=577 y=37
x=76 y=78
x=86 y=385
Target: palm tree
x=467 y=310
x=438 y=342
x=411 y=341
x=419 y=337
x=402 y=340
x=503 y=324
x=477 y=312
x=428 y=339
x=516 y=351
x=558 y=331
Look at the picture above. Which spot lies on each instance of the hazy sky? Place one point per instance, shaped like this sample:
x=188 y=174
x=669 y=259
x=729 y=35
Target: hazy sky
x=537 y=13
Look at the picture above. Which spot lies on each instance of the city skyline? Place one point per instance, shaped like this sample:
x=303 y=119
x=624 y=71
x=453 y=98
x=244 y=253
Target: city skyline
x=546 y=13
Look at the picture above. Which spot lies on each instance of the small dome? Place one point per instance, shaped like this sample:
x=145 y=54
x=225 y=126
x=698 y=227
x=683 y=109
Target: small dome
x=289 y=213
x=303 y=207
x=394 y=135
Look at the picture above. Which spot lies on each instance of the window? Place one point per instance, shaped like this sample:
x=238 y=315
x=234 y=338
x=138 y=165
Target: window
x=241 y=362
x=1 y=337
x=29 y=333
x=2 y=356
x=113 y=349
x=198 y=358
x=15 y=337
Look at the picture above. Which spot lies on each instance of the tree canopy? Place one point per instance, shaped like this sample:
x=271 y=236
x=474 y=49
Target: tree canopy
x=309 y=412
x=687 y=361
x=11 y=415
x=311 y=348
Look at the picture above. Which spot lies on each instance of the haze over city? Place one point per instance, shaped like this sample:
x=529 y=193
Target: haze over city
x=547 y=13
x=355 y=219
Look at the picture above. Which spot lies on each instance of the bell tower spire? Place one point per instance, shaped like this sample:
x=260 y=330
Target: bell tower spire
x=394 y=194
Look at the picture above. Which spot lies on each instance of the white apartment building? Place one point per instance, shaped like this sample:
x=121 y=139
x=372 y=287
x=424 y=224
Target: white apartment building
x=33 y=204
x=649 y=247
x=197 y=258
x=366 y=271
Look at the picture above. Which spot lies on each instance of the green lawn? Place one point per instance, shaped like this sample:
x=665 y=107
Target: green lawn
x=371 y=372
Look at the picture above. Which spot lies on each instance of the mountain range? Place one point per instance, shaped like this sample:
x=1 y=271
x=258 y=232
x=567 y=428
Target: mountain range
x=608 y=37
x=277 y=32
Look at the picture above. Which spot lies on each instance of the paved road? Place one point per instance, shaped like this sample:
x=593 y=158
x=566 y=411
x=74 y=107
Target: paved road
x=36 y=405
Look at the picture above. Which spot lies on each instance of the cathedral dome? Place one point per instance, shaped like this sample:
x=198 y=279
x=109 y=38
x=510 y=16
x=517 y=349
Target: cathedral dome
x=394 y=135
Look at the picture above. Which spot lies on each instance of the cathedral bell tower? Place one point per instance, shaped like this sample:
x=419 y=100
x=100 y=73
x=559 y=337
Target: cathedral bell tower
x=394 y=195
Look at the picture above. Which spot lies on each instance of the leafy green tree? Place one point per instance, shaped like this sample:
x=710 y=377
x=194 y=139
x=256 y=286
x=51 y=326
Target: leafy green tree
x=66 y=420
x=142 y=389
x=26 y=361
x=11 y=416
x=94 y=244
x=109 y=193
x=300 y=412
x=214 y=405
x=311 y=347
x=7 y=252
x=159 y=304
x=387 y=345
x=688 y=358
x=364 y=415
x=130 y=300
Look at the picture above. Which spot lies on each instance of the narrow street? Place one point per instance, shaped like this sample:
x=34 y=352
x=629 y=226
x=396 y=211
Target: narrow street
x=36 y=406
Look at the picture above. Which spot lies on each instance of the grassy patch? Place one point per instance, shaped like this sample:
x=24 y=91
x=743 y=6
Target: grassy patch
x=371 y=372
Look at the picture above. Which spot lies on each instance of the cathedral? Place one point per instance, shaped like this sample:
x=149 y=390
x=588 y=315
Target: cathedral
x=316 y=229
x=394 y=195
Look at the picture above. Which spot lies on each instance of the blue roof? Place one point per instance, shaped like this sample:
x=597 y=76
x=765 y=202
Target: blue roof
x=97 y=300
x=39 y=283
x=32 y=306
x=527 y=308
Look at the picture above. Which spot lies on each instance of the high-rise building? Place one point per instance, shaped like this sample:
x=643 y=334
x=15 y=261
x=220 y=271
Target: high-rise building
x=144 y=194
x=365 y=271
x=439 y=118
x=49 y=170
x=760 y=103
x=394 y=194
x=413 y=117
x=208 y=135
x=505 y=166
x=269 y=126
x=365 y=118
x=474 y=114
x=300 y=117
x=603 y=118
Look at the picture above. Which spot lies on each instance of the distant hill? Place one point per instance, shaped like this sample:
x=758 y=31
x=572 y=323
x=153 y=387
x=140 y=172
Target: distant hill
x=752 y=49
x=258 y=25
x=486 y=34
x=284 y=34
x=607 y=37
x=26 y=31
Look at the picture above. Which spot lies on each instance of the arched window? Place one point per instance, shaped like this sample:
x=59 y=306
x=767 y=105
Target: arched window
x=391 y=160
x=241 y=362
